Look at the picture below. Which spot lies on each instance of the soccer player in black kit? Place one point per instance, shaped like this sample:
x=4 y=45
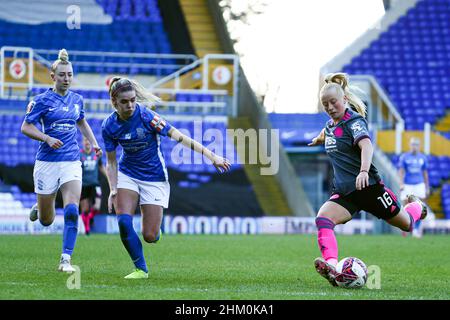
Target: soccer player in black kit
x=91 y=165
x=356 y=184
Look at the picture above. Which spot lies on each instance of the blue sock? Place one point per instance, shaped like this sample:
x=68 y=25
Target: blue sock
x=131 y=241
x=70 y=228
x=418 y=223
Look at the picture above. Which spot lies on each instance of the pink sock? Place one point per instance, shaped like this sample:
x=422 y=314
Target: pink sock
x=85 y=222
x=414 y=210
x=327 y=240
x=91 y=214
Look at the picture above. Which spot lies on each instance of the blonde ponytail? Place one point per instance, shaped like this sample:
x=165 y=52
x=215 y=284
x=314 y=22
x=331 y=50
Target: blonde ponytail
x=340 y=81
x=63 y=55
x=63 y=58
x=143 y=95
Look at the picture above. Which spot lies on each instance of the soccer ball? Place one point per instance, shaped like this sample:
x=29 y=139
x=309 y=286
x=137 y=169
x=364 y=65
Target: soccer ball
x=352 y=273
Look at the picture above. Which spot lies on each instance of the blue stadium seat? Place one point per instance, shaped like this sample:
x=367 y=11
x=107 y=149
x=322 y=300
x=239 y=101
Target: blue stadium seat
x=91 y=37
x=412 y=50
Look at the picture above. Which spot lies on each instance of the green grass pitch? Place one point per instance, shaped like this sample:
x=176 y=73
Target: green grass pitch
x=221 y=267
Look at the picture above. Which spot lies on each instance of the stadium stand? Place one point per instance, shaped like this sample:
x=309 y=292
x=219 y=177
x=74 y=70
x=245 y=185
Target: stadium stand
x=445 y=199
x=298 y=129
x=137 y=10
x=10 y=206
x=16 y=202
x=410 y=60
x=108 y=26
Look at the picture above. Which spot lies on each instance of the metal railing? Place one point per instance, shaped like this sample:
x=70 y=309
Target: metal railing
x=175 y=78
x=138 y=60
x=217 y=106
x=381 y=113
x=219 y=102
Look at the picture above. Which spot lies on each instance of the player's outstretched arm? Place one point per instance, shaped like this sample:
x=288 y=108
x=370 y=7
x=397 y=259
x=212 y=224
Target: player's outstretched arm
x=32 y=132
x=220 y=163
x=320 y=139
x=362 y=180
x=111 y=175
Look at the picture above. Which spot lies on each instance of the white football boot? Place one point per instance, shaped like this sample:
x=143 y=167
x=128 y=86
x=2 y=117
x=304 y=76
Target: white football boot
x=34 y=212
x=64 y=264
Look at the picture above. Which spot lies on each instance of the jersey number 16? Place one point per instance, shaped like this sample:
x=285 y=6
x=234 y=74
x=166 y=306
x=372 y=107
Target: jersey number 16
x=386 y=200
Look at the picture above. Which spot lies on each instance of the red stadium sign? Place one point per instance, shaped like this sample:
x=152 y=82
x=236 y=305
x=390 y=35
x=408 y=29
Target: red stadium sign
x=221 y=75
x=17 y=69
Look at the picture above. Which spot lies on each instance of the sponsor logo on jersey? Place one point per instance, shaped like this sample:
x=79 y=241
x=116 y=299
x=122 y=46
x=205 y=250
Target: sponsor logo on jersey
x=134 y=146
x=90 y=164
x=356 y=127
x=140 y=133
x=330 y=144
x=64 y=125
x=414 y=165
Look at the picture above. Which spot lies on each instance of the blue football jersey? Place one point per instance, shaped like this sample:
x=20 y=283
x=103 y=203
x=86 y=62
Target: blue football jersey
x=414 y=166
x=139 y=136
x=58 y=116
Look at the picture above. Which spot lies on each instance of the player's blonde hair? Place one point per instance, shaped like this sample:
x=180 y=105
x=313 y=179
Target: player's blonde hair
x=63 y=58
x=340 y=82
x=119 y=84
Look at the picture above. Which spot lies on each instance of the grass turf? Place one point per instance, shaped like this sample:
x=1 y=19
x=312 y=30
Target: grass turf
x=222 y=267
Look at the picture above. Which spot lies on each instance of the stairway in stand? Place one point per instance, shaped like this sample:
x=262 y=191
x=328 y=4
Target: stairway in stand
x=266 y=187
x=201 y=27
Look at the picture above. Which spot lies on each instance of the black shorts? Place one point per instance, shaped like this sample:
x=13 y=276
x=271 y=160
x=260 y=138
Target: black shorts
x=376 y=199
x=89 y=192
